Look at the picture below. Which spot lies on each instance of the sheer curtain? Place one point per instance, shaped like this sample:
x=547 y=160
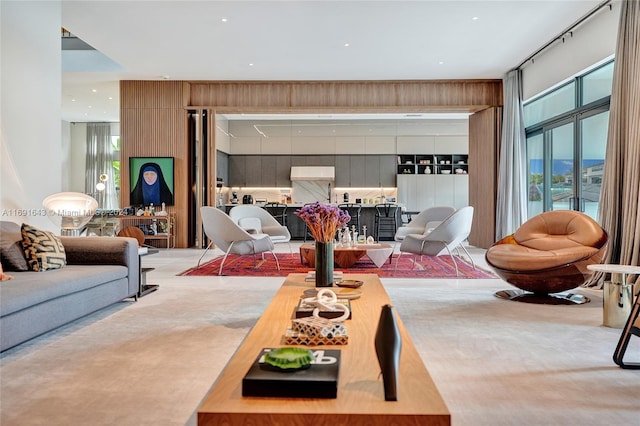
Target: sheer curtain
x=620 y=195
x=99 y=161
x=511 y=205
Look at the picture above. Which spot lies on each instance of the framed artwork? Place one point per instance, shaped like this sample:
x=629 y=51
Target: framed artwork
x=151 y=181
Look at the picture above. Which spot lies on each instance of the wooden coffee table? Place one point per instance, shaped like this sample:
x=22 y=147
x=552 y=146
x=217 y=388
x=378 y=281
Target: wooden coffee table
x=360 y=398
x=345 y=257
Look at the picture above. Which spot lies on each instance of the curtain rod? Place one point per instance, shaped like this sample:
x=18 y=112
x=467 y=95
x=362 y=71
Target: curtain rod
x=563 y=33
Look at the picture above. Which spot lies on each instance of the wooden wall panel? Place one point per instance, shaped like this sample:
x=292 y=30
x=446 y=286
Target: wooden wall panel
x=484 y=138
x=240 y=94
x=462 y=95
x=153 y=124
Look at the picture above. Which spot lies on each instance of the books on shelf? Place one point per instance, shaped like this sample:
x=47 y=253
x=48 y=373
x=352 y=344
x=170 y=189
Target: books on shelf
x=320 y=380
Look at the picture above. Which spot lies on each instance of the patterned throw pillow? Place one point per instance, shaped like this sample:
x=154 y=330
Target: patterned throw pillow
x=43 y=250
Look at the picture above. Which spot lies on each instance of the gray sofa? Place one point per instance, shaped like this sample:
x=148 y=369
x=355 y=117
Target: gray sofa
x=100 y=271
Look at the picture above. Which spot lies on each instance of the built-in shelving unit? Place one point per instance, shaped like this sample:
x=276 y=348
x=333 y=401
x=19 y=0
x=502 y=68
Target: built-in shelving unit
x=433 y=164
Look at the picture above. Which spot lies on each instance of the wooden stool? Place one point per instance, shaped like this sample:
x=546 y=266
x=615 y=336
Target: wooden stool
x=132 y=232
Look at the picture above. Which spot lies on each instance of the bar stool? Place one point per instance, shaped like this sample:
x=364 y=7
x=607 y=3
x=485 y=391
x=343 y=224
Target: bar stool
x=386 y=219
x=278 y=211
x=354 y=212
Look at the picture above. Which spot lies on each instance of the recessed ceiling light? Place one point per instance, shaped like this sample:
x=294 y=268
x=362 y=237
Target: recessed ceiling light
x=94 y=90
x=89 y=106
x=346 y=45
x=441 y=62
x=110 y=97
x=73 y=100
x=475 y=18
x=165 y=77
x=224 y=19
x=251 y=64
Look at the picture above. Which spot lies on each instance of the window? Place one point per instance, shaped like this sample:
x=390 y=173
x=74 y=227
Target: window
x=566 y=138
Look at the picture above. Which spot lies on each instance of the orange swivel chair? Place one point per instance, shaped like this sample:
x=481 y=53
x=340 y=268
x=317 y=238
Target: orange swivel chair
x=548 y=254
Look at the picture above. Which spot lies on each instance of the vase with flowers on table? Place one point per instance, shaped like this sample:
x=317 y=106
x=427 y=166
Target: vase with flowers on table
x=323 y=221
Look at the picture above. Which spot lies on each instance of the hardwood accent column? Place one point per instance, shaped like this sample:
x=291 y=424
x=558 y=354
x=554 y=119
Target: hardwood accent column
x=154 y=124
x=484 y=142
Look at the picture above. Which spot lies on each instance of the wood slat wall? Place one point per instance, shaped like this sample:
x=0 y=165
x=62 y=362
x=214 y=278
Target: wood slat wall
x=462 y=95
x=153 y=124
x=484 y=142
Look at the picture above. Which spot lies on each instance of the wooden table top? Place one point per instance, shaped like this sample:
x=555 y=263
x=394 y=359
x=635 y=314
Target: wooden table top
x=360 y=398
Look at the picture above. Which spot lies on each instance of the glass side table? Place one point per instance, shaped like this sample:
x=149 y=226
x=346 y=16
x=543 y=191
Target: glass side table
x=617 y=297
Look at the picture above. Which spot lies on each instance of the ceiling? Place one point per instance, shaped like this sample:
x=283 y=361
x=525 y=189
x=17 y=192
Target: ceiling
x=297 y=40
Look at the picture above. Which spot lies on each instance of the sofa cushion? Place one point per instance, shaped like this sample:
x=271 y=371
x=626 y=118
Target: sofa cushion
x=515 y=257
x=43 y=249
x=11 y=251
x=31 y=288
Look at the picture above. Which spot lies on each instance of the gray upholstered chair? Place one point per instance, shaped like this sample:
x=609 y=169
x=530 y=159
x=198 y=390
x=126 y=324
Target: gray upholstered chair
x=445 y=238
x=229 y=237
x=426 y=220
x=258 y=220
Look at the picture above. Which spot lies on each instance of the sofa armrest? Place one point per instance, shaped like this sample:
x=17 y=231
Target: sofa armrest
x=101 y=250
x=105 y=251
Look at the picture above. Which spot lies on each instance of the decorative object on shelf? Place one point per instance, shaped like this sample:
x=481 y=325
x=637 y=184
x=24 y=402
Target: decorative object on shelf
x=388 y=344
x=323 y=222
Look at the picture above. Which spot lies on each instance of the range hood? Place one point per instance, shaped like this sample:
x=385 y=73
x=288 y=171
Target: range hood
x=313 y=173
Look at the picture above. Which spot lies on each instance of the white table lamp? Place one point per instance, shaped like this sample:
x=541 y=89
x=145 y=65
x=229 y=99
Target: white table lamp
x=70 y=210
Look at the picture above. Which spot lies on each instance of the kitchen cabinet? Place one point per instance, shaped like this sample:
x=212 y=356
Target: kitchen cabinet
x=253 y=170
x=237 y=170
x=222 y=166
x=418 y=192
x=380 y=170
x=357 y=171
x=283 y=171
x=268 y=170
x=343 y=171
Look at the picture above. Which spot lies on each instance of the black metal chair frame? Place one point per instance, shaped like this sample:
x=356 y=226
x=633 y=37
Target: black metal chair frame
x=386 y=219
x=629 y=329
x=278 y=211
x=354 y=211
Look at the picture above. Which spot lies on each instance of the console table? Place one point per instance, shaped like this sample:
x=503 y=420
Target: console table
x=360 y=399
x=168 y=220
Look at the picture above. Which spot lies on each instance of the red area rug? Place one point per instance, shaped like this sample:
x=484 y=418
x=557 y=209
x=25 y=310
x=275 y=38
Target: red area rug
x=428 y=267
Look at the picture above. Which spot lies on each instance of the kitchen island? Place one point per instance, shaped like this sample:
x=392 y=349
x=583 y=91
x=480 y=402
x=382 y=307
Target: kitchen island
x=297 y=229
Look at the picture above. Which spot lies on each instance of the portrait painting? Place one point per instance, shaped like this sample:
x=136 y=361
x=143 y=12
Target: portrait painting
x=151 y=181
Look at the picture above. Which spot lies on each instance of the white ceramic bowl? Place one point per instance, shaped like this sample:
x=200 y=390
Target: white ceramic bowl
x=446 y=172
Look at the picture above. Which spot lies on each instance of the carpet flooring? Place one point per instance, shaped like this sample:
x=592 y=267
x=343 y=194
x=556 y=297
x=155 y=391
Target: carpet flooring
x=427 y=267
x=151 y=362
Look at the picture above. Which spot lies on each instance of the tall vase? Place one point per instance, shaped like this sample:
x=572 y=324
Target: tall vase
x=324 y=264
x=388 y=345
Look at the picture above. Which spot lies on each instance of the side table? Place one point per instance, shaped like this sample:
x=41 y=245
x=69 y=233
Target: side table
x=144 y=287
x=617 y=297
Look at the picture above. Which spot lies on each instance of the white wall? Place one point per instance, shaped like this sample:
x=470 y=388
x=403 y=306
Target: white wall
x=592 y=42
x=30 y=125
x=78 y=157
